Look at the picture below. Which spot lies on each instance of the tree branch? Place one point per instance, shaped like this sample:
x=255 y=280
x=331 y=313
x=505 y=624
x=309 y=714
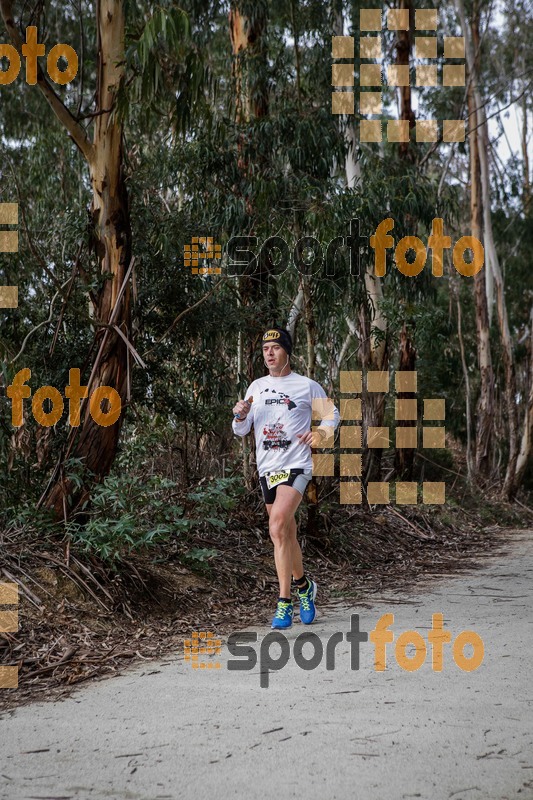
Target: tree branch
x=184 y=313
x=69 y=122
x=40 y=325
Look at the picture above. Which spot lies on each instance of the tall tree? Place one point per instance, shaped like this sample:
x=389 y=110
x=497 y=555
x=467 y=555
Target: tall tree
x=485 y=406
x=111 y=235
x=403 y=58
x=98 y=133
x=248 y=31
x=404 y=456
x=491 y=255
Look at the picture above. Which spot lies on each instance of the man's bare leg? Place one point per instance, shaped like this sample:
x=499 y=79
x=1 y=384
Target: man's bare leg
x=282 y=528
x=297 y=559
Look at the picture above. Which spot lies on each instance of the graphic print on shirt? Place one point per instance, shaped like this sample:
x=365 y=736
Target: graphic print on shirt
x=280 y=398
x=274 y=435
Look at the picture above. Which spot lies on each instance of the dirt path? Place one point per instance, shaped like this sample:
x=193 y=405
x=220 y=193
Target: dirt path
x=165 y=730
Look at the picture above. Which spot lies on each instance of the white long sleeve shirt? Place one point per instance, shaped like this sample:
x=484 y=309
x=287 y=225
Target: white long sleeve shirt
x=282 y=408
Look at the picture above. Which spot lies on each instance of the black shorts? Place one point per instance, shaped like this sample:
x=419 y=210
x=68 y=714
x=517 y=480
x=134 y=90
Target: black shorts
x=299 y=478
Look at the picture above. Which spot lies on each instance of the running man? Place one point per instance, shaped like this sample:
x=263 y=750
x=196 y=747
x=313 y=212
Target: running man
x=279 y=406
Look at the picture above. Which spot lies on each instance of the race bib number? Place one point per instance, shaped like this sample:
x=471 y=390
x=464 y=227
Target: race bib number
x=273 y=478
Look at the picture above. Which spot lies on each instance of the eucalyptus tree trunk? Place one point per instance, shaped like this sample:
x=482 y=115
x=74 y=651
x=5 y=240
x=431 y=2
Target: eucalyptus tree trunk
x=525 y=154
x=403 y=58
x=509 y=486
x=310 y=326
x=245 y=451
x=96 y=445
x=249 y=66
x=347 y=124
x=374 y=355
x=311 y=336
x=248 y=43
x=491 y=256
x=485 y=406
x=468 y=392
x=405 y=456
x=372 y=349
x=526 y=444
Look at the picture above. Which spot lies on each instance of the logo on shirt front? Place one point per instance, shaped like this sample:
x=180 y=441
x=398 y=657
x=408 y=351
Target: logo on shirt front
x=281 y=399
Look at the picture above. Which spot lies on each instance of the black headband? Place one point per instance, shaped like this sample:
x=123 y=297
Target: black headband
x=279 y=336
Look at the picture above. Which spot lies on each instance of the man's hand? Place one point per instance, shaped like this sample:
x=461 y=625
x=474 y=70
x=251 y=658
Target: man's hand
x=313 y=438
x=242 y=408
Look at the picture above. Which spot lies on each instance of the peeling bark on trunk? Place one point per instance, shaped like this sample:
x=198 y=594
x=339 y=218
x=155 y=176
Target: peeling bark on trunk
x=404 y=457
x=526 y=445
x=294 y=313
x=492 y=262
x=485 y=404
x=525 y=156
x=468 y=393
x=247 y=41
x=375 y=356
x=251 y=102
x=310 y=326
x=239 y=43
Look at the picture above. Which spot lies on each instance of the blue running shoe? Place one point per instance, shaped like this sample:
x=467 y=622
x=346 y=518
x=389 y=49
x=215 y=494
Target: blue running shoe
x=283 y=616
x=307 y=602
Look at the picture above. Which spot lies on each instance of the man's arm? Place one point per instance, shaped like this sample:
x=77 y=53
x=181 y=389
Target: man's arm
x=242 y=414
x=327 y=411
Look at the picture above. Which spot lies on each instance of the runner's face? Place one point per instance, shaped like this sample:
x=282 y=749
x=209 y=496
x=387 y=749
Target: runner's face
x=275 y=356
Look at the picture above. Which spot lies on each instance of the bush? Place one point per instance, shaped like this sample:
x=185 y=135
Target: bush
x=128 y=513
